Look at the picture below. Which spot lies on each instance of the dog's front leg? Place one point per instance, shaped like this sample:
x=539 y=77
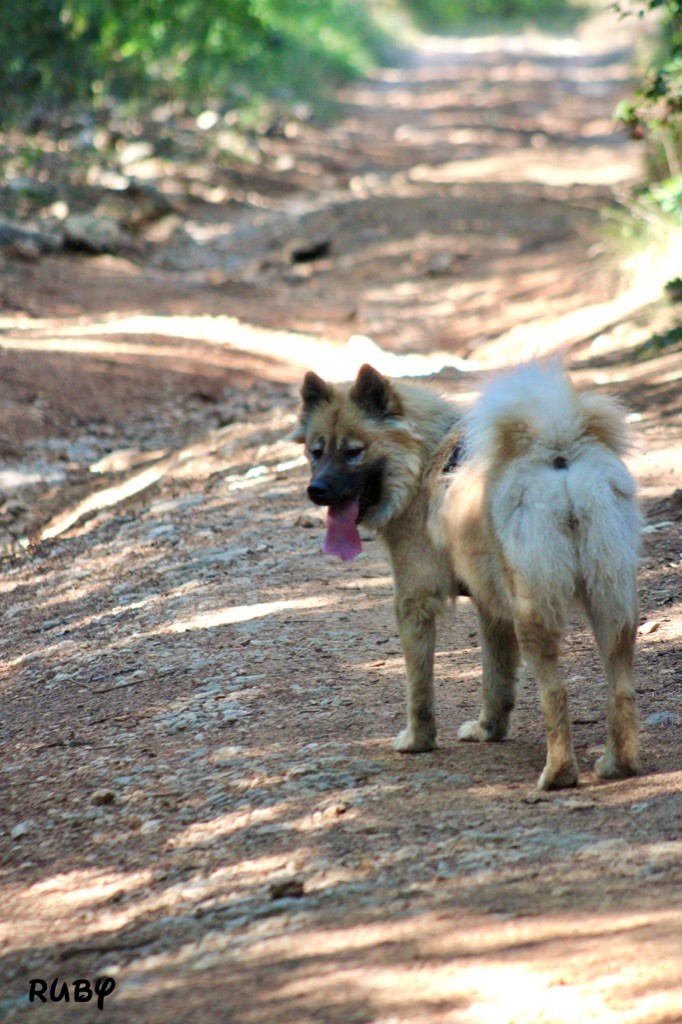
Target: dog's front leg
x=416 y=615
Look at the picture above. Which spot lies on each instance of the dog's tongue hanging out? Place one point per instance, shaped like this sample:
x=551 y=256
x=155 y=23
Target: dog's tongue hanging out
x=342 y=537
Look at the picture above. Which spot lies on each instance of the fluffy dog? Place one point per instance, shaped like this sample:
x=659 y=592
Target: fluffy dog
x=523 y=504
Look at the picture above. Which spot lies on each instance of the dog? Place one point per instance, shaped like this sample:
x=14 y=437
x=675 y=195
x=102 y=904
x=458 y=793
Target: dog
x=522 y=504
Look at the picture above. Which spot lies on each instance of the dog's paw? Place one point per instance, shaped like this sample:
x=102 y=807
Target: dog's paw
x=473 y=732
x=610 y=767
x=410 y=742
x=563 y=777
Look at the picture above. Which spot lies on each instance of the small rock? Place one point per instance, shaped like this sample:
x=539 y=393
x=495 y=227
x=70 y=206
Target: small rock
x=27 y=249
x=182 y=721
x=22 y=829
x=102 y=797
x=439 y=265
x=216 y=556
x=650 y=626
x=53 y=623
x=307 y=522
x=149 y=826
x=662 y=718
x=87 y=232
x=226 y=755
x=576 y=803
x=165 y=530
x=23 y=243
x=288 y=888
x=444 y=870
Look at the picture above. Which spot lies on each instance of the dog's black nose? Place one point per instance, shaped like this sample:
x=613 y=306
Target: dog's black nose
x=318 y=492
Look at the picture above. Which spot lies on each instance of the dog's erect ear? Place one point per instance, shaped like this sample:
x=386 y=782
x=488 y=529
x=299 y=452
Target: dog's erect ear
x=374 y=394
x=313 y=392
x=605 y=421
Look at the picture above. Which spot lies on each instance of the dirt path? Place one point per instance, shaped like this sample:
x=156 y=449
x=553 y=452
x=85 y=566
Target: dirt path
x=199 y=795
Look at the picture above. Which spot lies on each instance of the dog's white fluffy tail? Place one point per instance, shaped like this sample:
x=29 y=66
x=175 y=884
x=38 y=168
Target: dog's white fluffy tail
x=562 y=501
x=536 y=405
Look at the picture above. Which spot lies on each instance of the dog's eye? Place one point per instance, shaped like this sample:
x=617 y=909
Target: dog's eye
x=354 y=454
x=316 y=453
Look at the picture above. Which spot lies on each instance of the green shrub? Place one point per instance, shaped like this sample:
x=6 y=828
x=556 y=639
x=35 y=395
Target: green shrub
x=655 y=111
x=61 y=50
x=441 y=15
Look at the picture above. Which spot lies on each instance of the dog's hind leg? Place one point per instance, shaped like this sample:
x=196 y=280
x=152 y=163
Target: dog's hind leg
x=417 y=624
x=540 y=647
x=500 y=654
x=617 y=648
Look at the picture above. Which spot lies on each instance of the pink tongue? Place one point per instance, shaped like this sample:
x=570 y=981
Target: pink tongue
x=342 y=537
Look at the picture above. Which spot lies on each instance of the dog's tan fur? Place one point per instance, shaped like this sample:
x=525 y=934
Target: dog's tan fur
x=524 y=540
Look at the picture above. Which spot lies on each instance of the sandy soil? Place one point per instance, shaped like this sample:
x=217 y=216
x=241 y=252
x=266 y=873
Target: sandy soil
x=199 y=795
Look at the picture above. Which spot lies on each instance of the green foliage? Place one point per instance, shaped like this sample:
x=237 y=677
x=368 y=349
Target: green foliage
x=213 y=51
x=655 y=111
x=658 y=344
x=673 y=290
x=668 y=196
x=62 y=50
x=441 y=15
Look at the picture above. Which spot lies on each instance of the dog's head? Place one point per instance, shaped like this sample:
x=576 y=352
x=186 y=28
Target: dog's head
x=361 y=454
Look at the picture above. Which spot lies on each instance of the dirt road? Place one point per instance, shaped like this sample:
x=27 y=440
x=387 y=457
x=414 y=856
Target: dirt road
x=199 y=796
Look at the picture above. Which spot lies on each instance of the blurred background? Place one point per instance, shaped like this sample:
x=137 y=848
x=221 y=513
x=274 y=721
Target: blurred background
x=229 y=51
x=71 y=67
x=201 y=198
x=239 y=54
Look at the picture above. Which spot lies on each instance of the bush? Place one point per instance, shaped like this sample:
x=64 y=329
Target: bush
x=655 y=111
x=57 y=51
x=61 y=50
x=441 y=15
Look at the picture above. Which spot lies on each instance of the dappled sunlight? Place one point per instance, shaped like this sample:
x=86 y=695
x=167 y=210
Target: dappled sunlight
x=105 y=498
x=655 y=469
x=563 y=969
x=547 y=335
x=202 y=832
x=367 y=583
x=79 y=901
x=392 y=667
x=333 y=361
x=659 y=785
x=247 y=612
x=489 y=994
x=563 y=169
x=82 y=887
x=652 y=265
x=259 y=474
x=627 y=376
